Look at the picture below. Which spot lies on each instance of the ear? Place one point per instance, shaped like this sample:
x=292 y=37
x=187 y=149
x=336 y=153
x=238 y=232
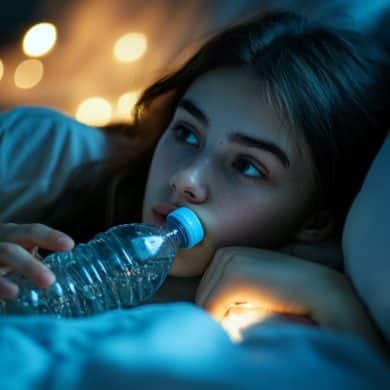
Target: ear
x=317 y=227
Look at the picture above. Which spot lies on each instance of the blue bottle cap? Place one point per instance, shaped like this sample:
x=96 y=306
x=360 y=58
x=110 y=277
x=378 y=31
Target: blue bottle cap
x=191 y=225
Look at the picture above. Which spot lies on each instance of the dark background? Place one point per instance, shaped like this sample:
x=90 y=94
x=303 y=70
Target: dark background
x=81 y=65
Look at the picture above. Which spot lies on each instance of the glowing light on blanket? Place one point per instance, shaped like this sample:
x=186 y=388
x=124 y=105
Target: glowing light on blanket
x=39 y=39
x=242 y=315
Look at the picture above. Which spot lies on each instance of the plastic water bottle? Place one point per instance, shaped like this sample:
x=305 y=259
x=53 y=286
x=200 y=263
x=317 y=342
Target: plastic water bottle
x=121 y=267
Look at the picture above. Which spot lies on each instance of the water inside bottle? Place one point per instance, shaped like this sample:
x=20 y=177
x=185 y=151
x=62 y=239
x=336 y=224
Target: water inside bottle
x=122 y=268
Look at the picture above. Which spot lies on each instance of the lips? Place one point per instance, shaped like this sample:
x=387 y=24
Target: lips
x=161 y=210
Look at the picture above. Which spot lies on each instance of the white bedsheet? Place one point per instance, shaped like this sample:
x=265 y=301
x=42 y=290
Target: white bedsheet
x=177 y=346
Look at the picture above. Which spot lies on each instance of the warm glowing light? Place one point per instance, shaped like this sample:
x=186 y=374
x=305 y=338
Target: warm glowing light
x=94 y=111
x=28 y=74
x=39 y=39
x=240 y=316
x=125 y=105
x=130 y=47
x=1 y=69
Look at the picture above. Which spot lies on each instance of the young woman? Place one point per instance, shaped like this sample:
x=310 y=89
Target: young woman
x=266 y=133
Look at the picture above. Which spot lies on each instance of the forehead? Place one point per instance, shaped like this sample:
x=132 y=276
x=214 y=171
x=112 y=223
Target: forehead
x=234 y=100
x=227 y=88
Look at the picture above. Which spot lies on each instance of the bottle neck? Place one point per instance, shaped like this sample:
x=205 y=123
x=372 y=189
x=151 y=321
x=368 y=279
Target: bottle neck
x=176 y=233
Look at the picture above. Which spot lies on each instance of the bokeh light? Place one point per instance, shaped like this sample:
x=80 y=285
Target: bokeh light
x=94 y=111
x=28 y=73
x=39 y=39
x=1 y=69
x=130 y=47
x=125 y=105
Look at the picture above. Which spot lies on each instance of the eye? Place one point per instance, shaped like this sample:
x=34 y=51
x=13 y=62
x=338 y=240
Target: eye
x=184 y=133
x=248 y=168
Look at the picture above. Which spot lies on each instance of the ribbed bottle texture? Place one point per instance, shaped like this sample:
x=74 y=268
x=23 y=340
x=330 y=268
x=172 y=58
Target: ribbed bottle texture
x=119 y=268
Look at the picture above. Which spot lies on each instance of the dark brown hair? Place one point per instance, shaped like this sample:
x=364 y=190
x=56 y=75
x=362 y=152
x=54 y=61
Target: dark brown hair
x=329 y=85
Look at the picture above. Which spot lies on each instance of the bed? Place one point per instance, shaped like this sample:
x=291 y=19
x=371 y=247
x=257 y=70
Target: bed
x=179 y=346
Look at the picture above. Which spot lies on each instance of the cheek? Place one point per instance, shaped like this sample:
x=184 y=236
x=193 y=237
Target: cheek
x=166 y=159
x=263 y=221
x=159 y=164
x=236 y=227
x=161 y=169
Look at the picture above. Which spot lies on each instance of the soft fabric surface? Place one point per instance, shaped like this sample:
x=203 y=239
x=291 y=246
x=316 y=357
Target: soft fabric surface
x=39 y=149
x=178 y=346
x=366 y=240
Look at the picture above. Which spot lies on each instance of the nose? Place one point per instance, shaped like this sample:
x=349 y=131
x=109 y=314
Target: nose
x=189 y=184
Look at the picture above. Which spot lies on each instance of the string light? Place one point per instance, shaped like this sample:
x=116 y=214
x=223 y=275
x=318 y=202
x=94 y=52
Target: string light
x=28 y=73
x=130 y=47
x=94 y=111
x=39 y=39
x=125 y=105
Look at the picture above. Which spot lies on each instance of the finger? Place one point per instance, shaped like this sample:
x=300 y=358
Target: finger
x=4 y=270
x=8 y=290
x=30 y=235
x=298 y=318
x=35 y=252
x=222 y=300
x=22 y=262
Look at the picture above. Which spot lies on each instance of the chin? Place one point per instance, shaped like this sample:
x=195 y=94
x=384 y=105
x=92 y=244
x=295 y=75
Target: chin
x=183 y=273
x=181 y=270
x=177 y=274
x=190 y=263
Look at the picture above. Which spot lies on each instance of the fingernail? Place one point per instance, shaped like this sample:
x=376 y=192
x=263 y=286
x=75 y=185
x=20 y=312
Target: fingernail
x=49 y=276
x=11 y=290
x=64 y=242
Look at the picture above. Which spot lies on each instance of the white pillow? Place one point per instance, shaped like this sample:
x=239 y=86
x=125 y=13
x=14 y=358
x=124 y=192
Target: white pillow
x=366 y=240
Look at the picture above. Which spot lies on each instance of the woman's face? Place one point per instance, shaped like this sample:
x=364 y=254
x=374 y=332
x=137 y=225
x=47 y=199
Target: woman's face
x=227 y=156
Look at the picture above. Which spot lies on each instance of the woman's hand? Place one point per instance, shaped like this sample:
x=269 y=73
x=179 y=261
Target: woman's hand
x=282 y=284
x=18 y=245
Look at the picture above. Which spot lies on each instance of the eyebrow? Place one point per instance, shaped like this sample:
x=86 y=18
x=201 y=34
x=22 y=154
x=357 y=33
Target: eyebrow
x=239 y=138
x=268 y=146
x=194 y=110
